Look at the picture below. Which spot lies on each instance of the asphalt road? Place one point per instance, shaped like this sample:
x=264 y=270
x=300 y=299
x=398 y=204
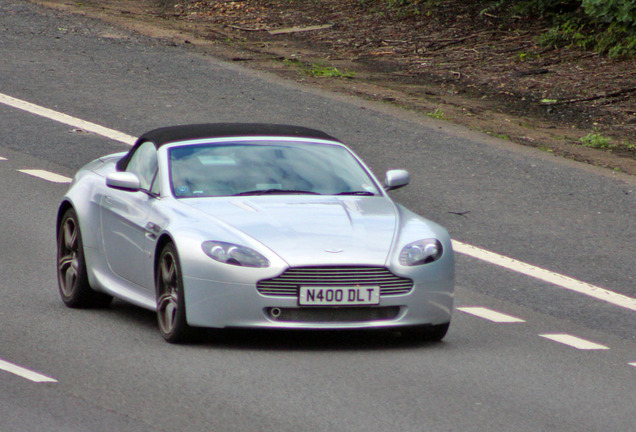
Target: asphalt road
x=113 y=371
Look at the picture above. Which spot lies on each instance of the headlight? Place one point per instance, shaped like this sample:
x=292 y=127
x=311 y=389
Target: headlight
x=229 y=253
x=421 y=252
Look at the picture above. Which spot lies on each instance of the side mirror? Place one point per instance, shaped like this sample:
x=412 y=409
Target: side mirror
x=125 y=181
x=395 y=179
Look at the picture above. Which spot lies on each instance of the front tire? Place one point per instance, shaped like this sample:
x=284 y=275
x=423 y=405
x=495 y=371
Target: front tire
x=72 y=277
x=171 y=311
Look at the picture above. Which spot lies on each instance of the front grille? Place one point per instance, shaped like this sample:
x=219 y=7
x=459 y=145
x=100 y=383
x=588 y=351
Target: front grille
x=288 y=284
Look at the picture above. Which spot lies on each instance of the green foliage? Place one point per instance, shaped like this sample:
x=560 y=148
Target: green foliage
x=598 y=11
x=328 y=71
x=292 y=62
x=400 y=3
x=569 y=33
x=552 y=38
x=614 y=40
x=617 y=21
x=316 y=70
x=595 y=140
x=617 y=42
x=437 y=114
x=500 y=136
x=605 y=26
x=525 y=56
x=409 y=8
x=612 y=11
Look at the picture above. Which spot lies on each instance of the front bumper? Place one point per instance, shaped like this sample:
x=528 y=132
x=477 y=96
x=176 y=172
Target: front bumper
x=224 y=304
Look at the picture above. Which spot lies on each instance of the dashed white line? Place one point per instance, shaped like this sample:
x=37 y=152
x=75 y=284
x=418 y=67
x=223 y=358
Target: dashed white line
x=67 y=119
x=546 y=275
x=47 y=175
x=460 y=247
x=1 y=158
x=489 y=314
x=25 y=373
x=574 y=341
x=632 y=364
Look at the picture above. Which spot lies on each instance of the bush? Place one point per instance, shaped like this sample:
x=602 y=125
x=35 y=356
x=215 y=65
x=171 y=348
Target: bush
x=605 y=26
x=622 y=12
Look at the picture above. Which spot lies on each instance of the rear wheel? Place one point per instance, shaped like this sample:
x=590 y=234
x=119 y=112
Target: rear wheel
x=72 y=277
x=171 y=312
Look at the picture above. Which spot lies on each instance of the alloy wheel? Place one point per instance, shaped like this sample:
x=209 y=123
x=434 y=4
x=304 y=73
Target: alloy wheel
x=168 y=301
x=68 y=258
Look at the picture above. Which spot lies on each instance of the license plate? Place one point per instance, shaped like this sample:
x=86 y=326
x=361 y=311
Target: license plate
x=315 y=295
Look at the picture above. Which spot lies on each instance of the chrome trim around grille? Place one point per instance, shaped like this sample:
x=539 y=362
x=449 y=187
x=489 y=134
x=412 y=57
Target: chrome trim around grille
x=288 y=283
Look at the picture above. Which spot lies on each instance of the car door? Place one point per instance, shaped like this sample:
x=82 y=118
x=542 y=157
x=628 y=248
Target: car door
x=125 y=219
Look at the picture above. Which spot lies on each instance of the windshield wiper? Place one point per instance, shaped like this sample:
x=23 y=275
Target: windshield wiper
x=359 y=193
x=276 y=192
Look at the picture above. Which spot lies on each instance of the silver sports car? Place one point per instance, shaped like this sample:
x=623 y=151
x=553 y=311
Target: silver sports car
x=254 y=226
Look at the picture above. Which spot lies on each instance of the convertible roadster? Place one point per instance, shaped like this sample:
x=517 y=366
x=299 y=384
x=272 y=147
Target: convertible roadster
x=234 y=225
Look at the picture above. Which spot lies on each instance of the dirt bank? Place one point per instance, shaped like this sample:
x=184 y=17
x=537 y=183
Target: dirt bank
x=455 y=64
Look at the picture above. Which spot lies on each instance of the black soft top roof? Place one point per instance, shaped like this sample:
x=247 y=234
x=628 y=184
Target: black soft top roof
x=170 y=134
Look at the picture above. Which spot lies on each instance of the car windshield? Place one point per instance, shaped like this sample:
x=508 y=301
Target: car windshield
x=208 y=170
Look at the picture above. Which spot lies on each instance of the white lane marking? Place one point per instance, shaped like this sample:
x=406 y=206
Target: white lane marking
x=574 y=341
x=546 y=275
x=47 y=175
x=25 y=373
x=1 y=158
x=489 y=314
x=632 y=364
x=463 y=248
x=67 y=119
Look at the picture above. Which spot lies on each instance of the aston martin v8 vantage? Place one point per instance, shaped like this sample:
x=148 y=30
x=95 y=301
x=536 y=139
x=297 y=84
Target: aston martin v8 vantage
x=232 y=225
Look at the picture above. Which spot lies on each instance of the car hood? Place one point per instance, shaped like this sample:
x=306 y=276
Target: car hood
x=312 y=230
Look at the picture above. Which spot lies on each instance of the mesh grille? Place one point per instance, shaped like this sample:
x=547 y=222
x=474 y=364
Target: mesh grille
x=336 y=315
x=288 y=284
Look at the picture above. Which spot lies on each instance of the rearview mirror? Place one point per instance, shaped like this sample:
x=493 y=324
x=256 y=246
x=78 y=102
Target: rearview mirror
x=395 y=179
x=126 y=181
